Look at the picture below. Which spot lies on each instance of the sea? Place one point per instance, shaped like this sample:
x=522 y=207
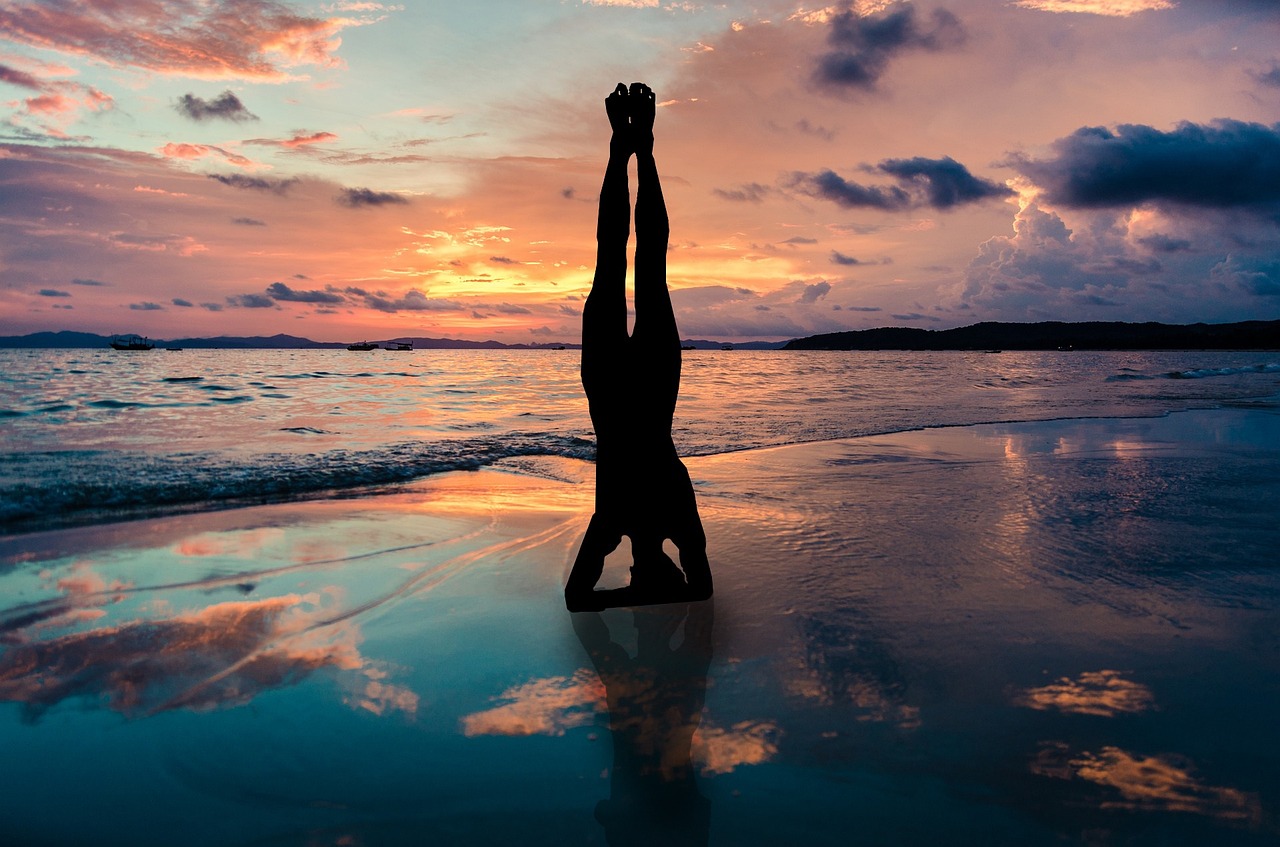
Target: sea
x=96 y=436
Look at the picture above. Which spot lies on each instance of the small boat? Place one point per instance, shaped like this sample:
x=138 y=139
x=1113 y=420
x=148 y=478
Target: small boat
x=401 y=346
x=726 y=346
x=363 y=345
x=131 y=342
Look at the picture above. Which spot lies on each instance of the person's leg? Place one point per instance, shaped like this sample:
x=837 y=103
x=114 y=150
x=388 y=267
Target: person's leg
x=604 y=346
x=655 y=339
x=604 y=315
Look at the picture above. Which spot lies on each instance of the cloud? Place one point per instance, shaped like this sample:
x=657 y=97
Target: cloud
x=248 y=222
x=300 y=138
x=53 y=292
x=412 y=301
x=1256 y=276
x=945 y=182
x=251 y=301
x=174 y=150
x=814 y=292
x=1225 y=164
x=280 y=291
x=799 y=239
x=547 y=706
x=863 y=45
x=1103 y=693
x=219 y=656
x=250 y=39
x=941 y=184
x=1270 y=77
x=839 y=258
x=178 y=301
x=89 y=282
x=146 y=306
x=829 y=185
x=503 y=260
x=256 y=183
x=22 y=79
x=226 y=106
x=357 y=198
x=1149 y=783
x=752 y=192
x=1108 y=8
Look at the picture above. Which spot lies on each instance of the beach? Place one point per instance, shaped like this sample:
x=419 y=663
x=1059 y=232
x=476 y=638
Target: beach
x=1061 y=631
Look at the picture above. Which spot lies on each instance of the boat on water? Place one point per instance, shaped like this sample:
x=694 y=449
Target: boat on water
x=131 y=342
x=726 y=346
x=363 y=345
x=402 y=346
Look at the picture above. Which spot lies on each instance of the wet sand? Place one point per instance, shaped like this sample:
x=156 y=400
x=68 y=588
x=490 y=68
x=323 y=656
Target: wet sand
x=1055 y=632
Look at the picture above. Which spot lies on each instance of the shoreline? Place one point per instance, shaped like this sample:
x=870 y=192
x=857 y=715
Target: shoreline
x=506 y=463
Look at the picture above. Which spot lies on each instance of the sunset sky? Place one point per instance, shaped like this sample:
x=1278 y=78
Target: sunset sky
x=349 y=170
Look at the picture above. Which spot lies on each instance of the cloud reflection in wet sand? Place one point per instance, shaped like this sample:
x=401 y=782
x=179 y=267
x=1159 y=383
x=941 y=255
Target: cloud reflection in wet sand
x=1104 y=693
x=1160 y=783
x=552 y=705
x=222 y=655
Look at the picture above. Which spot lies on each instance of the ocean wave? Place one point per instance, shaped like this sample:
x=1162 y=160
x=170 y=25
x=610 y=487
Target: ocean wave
x=1202 y=373
x=55 y=489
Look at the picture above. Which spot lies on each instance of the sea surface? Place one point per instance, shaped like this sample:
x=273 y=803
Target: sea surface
x=93 y=436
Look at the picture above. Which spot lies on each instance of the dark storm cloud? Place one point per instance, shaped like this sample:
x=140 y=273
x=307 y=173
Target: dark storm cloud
x=280 y=291
x=938 y=183
x=1165 y=244
x=945 y=182
x=863 y=46
x=829 y=185
x=255 y=183
x=225 y=106
x=357 y=198
x=1226 y=164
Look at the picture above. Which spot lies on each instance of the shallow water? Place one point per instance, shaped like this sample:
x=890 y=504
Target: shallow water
x=93 y=436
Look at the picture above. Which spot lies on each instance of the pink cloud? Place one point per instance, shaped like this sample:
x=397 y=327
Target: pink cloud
x=299 y=139
x=180 y=150
x=254 y=39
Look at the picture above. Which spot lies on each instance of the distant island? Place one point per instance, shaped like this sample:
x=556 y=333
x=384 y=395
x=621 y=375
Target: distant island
x=990 y=335
x=1055 y=335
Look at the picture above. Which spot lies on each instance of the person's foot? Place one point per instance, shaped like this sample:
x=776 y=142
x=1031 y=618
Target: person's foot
x=617 y=107
x=643 y=106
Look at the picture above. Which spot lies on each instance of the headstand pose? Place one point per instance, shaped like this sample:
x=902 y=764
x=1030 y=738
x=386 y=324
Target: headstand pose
x=643 y=490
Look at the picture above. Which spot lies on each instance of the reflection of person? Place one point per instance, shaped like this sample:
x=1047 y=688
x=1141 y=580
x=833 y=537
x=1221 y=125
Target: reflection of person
x=643 y=490
x=655 y=705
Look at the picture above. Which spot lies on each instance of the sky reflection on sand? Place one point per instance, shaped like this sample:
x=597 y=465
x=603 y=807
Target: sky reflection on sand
x=974 y=635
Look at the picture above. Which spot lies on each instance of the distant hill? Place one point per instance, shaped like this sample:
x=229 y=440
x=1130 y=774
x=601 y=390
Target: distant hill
x=1055 y=335
x=53 y=340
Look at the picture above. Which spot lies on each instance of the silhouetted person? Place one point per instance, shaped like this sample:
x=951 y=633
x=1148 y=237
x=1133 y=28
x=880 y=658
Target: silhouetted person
x=642 y=488
x=655 y=706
